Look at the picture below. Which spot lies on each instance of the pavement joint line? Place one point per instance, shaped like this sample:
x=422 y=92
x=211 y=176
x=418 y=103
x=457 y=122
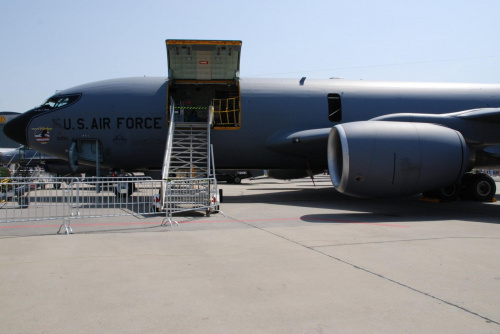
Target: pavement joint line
x=488 y=320
x=402 y=240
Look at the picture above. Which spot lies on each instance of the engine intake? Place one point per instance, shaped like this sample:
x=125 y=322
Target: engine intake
x=386 y=159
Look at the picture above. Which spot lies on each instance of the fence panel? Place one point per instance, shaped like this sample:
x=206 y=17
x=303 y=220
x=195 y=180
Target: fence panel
x=189 y=195
x=65 y=199
x=25 y=199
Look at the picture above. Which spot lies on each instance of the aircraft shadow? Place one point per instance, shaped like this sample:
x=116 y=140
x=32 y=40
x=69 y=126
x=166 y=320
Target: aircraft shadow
x=404 y=209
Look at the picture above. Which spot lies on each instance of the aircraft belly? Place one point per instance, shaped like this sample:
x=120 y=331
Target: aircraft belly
x=237 y=149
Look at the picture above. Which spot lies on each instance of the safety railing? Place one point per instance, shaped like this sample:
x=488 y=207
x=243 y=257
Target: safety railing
x=168 y=147
x=190 y=195
x=65 y=199
x=226 y=113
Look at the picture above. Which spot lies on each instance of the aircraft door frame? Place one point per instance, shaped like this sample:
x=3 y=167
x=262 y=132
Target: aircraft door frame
x=89 y=150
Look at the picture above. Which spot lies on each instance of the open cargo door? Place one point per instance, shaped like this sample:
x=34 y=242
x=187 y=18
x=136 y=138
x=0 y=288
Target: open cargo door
x=204 y=81
x=203 y=60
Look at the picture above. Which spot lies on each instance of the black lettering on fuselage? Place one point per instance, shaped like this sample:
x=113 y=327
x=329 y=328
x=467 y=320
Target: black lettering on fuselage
x=101 y=123
x=130 y=123
x=138 y=123
x=104 y=123
x=119 y=122
x=67 y=124
x=81 y=123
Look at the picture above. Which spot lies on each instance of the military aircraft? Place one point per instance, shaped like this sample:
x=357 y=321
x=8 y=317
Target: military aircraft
x=6 y=144
x=377 y=139
x=11 y=152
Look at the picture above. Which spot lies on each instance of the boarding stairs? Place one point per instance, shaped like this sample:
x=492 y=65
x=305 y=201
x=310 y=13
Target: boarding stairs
x=27 y=168
x=27 y=172
x=188 y=172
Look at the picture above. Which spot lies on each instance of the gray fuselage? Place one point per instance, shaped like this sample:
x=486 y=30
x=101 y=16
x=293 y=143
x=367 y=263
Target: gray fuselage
x=129 y=118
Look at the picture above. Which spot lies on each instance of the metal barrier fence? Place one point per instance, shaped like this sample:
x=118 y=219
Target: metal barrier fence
x=64 y=199
x=51 y=198
x=191 y=194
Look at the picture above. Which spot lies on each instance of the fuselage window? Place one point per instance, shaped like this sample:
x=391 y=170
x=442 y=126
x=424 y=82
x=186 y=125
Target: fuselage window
x=334 y=108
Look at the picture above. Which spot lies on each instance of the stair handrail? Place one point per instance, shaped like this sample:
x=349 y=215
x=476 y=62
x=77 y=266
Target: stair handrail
x=211 y=116
x=168 y=148
x=209 y=144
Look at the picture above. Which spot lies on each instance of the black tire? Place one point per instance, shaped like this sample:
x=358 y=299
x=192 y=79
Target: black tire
x=237 y=180
x=221 y=196
x=466 y=184
x=445 y=194
x=449 y=193
x=482 y=187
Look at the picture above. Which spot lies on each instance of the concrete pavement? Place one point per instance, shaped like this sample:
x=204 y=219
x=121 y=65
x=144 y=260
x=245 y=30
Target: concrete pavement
x=289 y=257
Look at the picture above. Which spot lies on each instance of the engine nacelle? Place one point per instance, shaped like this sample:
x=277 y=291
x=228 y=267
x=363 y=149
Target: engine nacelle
x=386 y=159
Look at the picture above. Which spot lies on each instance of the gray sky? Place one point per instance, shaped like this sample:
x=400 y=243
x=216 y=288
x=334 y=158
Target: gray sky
x=53 y=45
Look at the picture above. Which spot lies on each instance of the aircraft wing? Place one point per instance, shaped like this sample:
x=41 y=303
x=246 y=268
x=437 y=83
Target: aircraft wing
x=307 y=143
x=482 y=115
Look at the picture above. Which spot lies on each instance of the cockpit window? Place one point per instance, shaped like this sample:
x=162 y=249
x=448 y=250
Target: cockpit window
x=60 y=101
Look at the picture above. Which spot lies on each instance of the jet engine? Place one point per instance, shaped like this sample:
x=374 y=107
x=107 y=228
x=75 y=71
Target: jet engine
x=387 y=159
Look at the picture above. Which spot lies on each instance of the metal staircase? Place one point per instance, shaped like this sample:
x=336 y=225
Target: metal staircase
x=188 y=175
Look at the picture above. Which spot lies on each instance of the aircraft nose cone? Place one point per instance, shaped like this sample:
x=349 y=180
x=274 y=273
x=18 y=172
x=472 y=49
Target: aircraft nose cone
x=15 y=129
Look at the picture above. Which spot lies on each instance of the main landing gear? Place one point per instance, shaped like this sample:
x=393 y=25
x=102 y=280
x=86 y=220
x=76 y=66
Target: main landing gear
x=477 y=187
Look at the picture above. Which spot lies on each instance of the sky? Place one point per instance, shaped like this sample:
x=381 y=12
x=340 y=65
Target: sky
x=50 y=45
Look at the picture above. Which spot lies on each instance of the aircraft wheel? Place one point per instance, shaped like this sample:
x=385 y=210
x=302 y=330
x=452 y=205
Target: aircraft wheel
x=237 y=180
x=482 y=187
x=447 y=194
x=466 y=184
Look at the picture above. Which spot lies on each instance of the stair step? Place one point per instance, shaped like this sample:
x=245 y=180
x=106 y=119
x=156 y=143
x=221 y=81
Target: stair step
x=188 y=158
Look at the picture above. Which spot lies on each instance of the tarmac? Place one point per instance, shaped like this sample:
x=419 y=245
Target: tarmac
x=287 y=257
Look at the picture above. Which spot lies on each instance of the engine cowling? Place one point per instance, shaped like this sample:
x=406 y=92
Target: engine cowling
x=387 y=159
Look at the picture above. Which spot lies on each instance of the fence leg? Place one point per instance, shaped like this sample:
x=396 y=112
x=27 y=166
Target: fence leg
x=67 y=226
x=169 y=219
x=67 y=220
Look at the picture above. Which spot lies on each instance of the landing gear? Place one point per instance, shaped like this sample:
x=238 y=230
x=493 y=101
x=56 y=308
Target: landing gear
x=477 y=187
x=446 y=194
